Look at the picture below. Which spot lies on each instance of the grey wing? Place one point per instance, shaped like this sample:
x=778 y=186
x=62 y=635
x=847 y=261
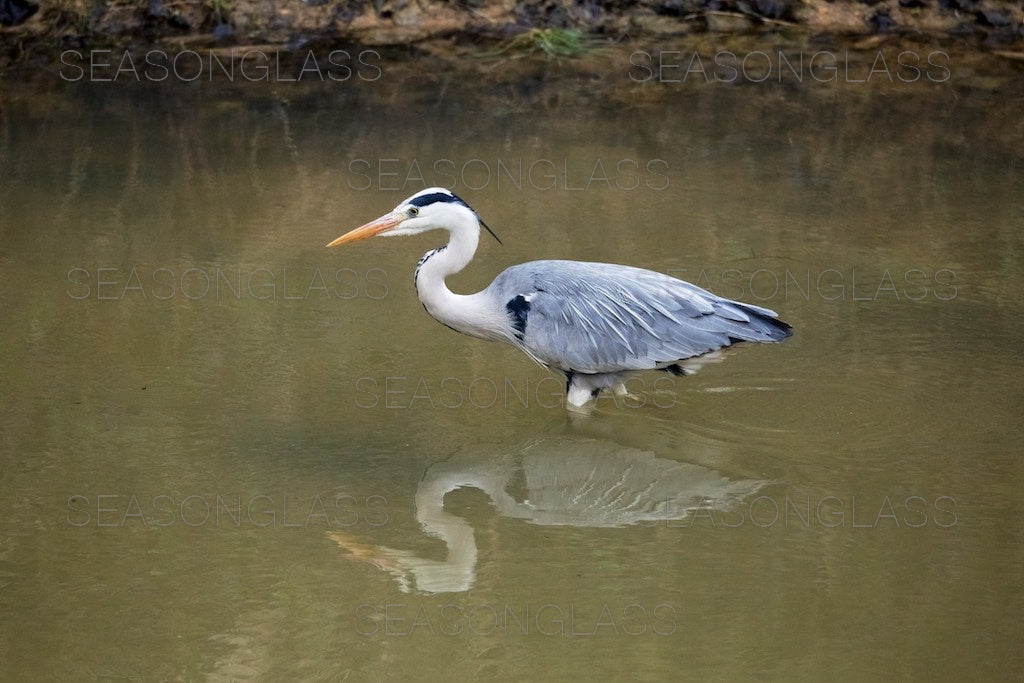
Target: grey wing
x=599 y=317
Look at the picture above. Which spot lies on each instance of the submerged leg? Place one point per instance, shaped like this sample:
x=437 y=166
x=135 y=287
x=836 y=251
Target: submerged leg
x=621 y=391
x=582 y=389
x=578 y=396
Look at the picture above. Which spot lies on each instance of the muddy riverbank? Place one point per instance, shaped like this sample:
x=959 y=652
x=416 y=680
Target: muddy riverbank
x=52 y=34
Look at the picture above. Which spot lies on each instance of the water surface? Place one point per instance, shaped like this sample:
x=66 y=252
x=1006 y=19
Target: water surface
x=229 y=452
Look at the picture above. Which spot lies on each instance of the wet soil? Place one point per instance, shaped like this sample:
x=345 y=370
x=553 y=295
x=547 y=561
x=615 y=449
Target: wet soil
x=37 y=33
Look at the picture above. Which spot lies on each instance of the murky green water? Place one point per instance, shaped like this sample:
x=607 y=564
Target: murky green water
x=229 y=452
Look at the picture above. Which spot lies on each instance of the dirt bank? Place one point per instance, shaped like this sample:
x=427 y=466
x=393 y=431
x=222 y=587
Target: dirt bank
x=38 y=31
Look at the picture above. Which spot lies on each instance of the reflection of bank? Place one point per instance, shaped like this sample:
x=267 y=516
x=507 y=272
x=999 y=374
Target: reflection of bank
x=588 y=483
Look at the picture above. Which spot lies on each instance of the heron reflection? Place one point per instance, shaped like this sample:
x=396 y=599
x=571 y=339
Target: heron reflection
x=560 y=482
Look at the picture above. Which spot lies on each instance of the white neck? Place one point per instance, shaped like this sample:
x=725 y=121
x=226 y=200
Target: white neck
x=472 y=314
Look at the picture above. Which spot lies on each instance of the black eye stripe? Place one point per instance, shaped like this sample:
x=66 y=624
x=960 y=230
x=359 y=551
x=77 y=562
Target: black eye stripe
x=424 y=200
x=446 y=198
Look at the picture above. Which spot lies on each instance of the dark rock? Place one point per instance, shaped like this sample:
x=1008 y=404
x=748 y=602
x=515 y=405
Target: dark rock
x=96 y=13
x=551 y=16
x=223 y=31
x=179 y=22
x=994 y=18
x=959 y=5
x=773 y=9
x=881 y=22
x=344 y=12
x=675 y=8
x=14 y=12
x=912 y=4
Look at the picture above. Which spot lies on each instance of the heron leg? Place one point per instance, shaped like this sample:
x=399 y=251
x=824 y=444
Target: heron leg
x=578 y=396
x=582 y=388
x=620 y=390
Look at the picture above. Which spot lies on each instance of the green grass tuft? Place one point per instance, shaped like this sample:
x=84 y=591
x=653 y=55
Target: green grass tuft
x=555 y=43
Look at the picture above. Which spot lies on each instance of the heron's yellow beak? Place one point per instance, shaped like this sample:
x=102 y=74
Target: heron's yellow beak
x=371 y=229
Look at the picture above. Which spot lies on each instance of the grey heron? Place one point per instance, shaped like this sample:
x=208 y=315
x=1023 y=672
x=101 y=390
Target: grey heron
x=595 y=322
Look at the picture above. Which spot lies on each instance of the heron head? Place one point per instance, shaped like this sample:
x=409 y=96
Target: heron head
x=428 y=209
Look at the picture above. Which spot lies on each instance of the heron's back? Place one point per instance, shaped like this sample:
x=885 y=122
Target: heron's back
x=600 y=317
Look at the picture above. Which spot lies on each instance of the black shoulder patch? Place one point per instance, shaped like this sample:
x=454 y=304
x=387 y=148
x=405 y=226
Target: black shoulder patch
x=519 y=309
